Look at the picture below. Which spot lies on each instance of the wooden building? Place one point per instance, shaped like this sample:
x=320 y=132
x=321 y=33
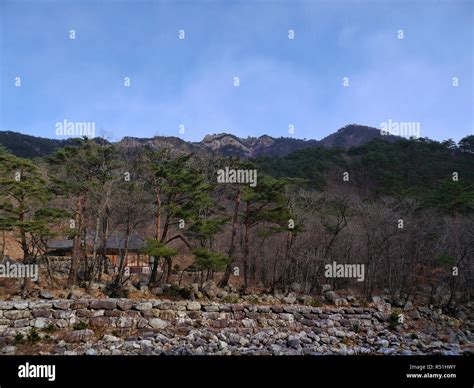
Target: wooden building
x=115 y=247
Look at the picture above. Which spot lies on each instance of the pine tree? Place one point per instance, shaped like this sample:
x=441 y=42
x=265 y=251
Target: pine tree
x=24 y=197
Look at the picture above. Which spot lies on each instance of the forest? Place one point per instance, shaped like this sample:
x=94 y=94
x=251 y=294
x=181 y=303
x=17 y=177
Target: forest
x=402 y=209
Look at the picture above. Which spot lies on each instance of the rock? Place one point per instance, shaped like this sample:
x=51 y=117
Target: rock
x=124 y=304
x=275 y=349
x=415 y=314
x=295 y=287
x=75 y=293
x=143 y=306
x=340 y=333
x=306 y=300
x=99 y=322
x=387 y=352
x=194 y=287
x=294 y=342
x=63 y=314
x=17 y=314
x=193 y=306
x=110 y=338
x=157 y=323
x=61 y=304
x=377 y=300
x=9 y=350
x=46 y=294
x=6 y=305
x=331 y=297
x=287 y=317
x=98 y=286
x=21 y=323
x=209 y=289
x=80 y=304
x=243 y=341
x=157 y=291
x=22 y=305
x=276 y=309
x=79 y=335
x=351 y=299
x=290 y=299
x=326 y=288
x=41 y=323
x=248 y=323
x=106 y=304
x=125 y=322
x=342 y=350
x=4 y=323
x=211 y=308
x=84 y=313
x=142 y=323
x=62 y=323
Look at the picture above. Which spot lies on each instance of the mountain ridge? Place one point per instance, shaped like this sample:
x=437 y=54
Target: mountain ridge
x=223 y=144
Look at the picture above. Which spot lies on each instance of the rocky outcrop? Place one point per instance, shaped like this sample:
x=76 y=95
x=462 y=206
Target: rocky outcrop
x=121 y=326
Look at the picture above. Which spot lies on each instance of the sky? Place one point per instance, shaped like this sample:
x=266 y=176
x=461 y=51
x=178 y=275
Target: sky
x=187 y=87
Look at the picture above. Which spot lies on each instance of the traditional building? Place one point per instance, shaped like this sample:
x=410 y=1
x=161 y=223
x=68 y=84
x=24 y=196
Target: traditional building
x=115 y=247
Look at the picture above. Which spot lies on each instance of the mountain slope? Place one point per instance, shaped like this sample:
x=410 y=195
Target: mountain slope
x=27 y=146
x=354 y=135
x=222 y=144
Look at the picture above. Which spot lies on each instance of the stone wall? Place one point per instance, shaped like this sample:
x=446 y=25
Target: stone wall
x=158 y=314
x=123 y=327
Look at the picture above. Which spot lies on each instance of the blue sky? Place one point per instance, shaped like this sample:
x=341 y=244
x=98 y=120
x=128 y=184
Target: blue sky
x=190 y=82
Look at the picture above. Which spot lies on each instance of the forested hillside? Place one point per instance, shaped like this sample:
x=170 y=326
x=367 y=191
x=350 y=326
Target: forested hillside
x=402 y=209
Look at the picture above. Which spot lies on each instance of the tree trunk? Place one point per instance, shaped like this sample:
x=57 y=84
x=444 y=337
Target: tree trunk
x=122 y=262
x=26 y=260
x=76 y=247
x=2 y=254
x=225 y=279
x=158 y=213
x=246 y=255
x=169 y=264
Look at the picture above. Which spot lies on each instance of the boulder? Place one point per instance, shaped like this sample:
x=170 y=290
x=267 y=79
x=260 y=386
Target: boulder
x=46 y=294
x=157 y=323
x=79 y=335
x=157 y=291
x=143 y=306
x=22 y=305
x=41 y=323
x=110 y=338
x=193 y=306
x=76 y=293
x=331 y=297
x=290 y=299
x=295 y=287
x=124 y=304
x=209 y=289
x=106 y=304
x=61 y=304
x=326 y=288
